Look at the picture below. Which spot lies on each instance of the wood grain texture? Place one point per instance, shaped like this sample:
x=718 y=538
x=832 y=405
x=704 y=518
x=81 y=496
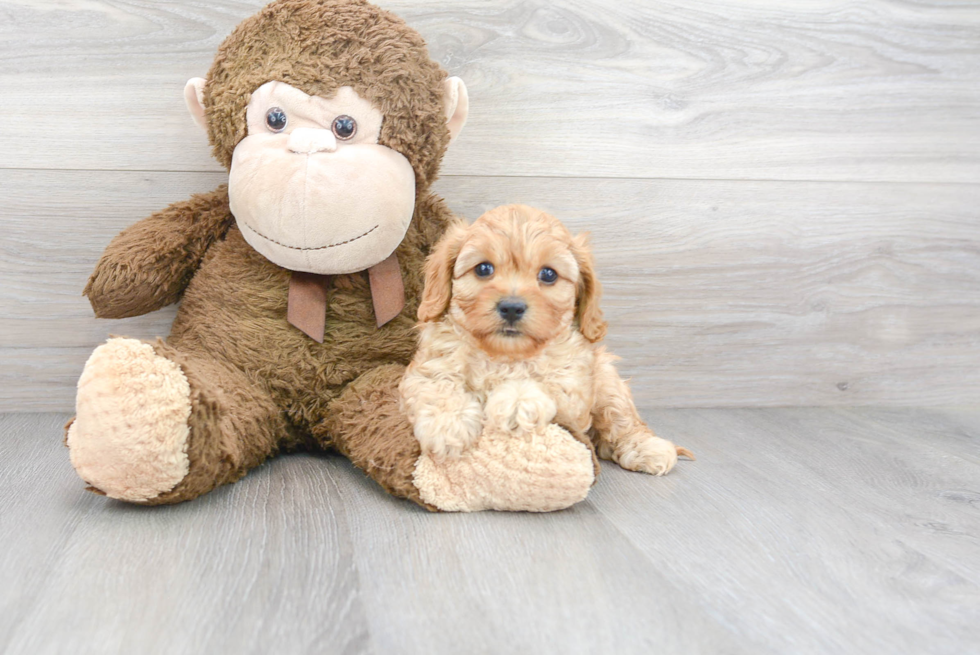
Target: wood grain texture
x=748 y=288
x=274 y=574
x=718 y=293
x=804 y=531
x=833 y=512
x=823 y=90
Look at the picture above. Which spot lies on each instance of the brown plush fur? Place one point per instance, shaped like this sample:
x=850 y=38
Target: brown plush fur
x=149 y=264
x=363 y=47
x=259 y=385
x=380 y=442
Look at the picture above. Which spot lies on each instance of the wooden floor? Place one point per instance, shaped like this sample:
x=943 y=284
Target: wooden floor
x=796 y=531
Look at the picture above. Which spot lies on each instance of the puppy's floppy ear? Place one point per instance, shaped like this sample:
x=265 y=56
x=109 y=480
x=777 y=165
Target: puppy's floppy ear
x=439 y=274
x=587 y=311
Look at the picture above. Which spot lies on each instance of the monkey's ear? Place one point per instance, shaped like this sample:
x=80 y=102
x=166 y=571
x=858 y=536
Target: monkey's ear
x=439 y=274
x=457 y=106
x=194 y=97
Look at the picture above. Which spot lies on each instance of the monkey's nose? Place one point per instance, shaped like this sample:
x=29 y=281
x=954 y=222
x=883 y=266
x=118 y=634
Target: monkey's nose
x=511 y=309
x=307 y=140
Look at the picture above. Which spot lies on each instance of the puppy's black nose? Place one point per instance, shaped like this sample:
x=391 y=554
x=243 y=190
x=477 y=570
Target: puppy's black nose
x=511 y=309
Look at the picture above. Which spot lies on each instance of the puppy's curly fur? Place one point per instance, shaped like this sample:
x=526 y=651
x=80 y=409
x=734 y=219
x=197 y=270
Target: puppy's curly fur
x=510 y=332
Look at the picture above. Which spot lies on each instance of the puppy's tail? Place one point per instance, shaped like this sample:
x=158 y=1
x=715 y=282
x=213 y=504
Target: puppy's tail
x=684 y=452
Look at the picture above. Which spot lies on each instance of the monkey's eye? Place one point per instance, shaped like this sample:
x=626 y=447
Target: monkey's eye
x=484 y=269
x=344 y=127
x=276 y=119
x=547 y=275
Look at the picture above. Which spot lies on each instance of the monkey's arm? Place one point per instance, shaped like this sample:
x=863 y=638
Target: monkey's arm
x=148 y=265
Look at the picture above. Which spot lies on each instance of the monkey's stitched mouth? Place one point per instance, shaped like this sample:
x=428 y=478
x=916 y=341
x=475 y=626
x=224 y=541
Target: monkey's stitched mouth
x=286 y=245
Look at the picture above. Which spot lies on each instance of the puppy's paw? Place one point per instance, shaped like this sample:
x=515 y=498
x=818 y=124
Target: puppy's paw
x=520 y=405
x=647 y=453
x=448 y=431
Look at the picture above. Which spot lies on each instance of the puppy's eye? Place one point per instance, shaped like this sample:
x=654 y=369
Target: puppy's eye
x=547 y=275
x=276 y=119
x=484 y=270
x=344 y=127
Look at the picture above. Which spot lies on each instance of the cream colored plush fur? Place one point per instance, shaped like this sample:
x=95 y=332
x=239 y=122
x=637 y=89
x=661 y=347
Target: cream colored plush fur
x=285 y=186
x=536 y=471
x=129 y=438
x=480 y=387
x=290 y=223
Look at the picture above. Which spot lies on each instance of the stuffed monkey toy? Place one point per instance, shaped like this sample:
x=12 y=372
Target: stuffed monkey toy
x=299 y=280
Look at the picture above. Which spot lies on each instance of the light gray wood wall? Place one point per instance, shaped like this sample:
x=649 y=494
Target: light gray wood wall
x=784 y=197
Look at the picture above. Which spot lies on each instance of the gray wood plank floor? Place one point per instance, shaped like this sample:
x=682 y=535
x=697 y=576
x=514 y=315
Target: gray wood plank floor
x=796 y=531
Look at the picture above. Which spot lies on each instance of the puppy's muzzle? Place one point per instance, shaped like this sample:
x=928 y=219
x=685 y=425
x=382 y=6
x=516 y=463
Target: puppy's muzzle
x=511 y=309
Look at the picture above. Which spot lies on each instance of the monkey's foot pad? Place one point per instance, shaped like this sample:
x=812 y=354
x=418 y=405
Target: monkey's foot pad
x=129 y=438
x=541 y=472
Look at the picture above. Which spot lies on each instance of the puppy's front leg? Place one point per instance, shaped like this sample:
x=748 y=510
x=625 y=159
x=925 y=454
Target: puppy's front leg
x=622 y=436
x=447 y=419
x=520 y=404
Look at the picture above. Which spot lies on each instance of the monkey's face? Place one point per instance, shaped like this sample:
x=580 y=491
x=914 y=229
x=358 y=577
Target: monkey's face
x=311 y=187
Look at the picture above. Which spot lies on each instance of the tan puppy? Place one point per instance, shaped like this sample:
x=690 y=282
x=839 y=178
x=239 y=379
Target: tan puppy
x=510 y=326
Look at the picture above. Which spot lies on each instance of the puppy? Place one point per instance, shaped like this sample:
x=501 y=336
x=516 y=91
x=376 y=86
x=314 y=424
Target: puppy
x=510 y=330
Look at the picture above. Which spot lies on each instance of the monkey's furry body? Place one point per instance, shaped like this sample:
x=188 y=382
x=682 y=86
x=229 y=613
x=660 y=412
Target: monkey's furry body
x=235 y=383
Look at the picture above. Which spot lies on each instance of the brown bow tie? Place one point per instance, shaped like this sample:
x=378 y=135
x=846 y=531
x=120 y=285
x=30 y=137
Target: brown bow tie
x=307 y=308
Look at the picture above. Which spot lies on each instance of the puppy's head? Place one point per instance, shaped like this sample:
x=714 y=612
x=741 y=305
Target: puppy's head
x=514 y=280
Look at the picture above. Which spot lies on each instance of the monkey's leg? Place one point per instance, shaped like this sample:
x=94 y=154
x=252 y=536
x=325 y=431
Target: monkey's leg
x=538 y=470
x=367 y=425
x=503 y=471
x=158 y=425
